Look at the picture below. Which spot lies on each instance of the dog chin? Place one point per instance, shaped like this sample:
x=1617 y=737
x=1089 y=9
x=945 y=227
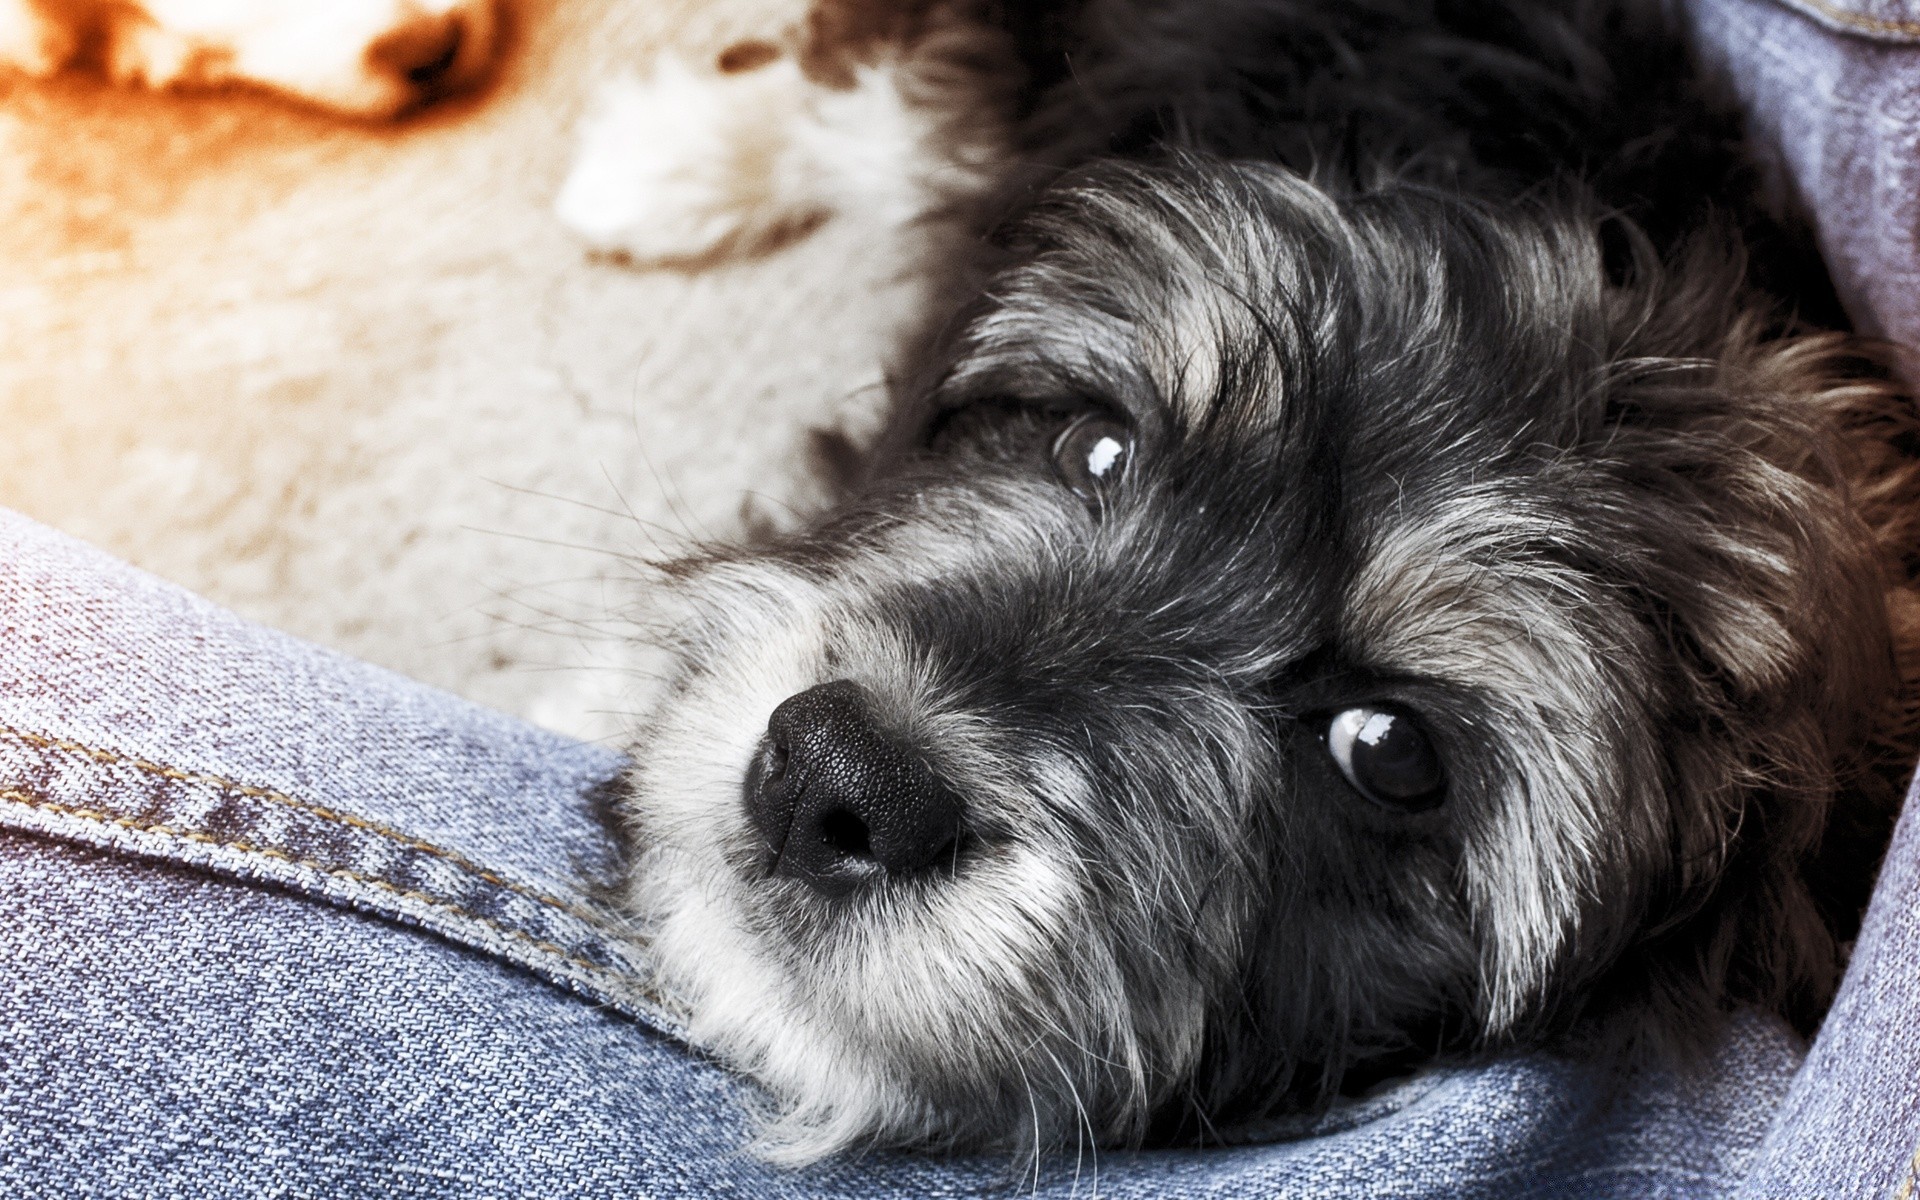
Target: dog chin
x=816 y=1018
x=746 y=1010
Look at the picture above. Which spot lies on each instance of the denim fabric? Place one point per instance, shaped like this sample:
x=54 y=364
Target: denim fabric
x=1832 y=89
x=280 y=923
x=1851 y=1120
x=273 y=922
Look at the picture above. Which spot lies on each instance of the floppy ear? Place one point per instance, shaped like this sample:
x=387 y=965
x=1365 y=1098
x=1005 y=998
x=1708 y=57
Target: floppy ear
x=1773 y=464
x=1878 y=426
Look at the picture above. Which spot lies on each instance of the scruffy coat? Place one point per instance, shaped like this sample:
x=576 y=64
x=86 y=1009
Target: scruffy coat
x=1463 y=367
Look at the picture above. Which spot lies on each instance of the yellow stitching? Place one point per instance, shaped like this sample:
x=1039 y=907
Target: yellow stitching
x=43 y=742
x=1834 y=12
x=98 y=817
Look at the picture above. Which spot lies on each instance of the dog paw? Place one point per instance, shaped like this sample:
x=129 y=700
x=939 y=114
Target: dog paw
x=31 y=41
x=691 y=165
x=371 y=58
x=685 y=164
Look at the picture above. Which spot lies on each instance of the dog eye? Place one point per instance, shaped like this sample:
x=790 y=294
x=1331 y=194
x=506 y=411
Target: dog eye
x=1091 y=454
x=1387 y=757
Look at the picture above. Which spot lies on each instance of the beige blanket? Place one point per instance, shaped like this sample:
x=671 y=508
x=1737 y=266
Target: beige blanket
x=355 y=380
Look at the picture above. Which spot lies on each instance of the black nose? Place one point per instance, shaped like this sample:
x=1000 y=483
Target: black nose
x=839 y=802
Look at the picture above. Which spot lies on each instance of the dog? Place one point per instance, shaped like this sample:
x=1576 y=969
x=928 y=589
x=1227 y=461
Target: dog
x=1393 y=558
x=363 y=58
x=883 y=108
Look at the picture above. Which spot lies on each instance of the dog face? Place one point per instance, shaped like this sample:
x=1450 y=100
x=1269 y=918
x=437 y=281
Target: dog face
x=1304 y=632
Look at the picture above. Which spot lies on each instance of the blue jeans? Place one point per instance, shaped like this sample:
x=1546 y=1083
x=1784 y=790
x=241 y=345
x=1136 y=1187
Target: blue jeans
x=275 y=922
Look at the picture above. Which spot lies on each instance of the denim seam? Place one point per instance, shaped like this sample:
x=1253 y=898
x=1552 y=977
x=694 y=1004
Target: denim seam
x=29 y=800
x=1833 y=14
x=43 y=742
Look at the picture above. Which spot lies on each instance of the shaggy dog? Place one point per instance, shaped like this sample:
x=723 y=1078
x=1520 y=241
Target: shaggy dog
x=1394 y=561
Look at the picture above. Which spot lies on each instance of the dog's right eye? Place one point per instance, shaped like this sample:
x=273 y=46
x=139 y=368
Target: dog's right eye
x=1091 y=455
x=1387 y=757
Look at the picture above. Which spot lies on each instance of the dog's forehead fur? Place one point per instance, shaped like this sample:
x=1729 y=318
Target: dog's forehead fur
x=1207 y=292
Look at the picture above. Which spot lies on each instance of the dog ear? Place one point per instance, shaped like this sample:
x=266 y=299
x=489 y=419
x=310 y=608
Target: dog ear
x=1752 y=456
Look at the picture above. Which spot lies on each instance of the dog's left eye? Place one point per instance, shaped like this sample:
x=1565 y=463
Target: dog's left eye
x=1091 y=454
x=1387 y=757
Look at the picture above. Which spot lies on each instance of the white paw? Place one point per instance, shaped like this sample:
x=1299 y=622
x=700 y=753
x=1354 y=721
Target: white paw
x=691 y=164
x=684 y=165
x=31 y=41
x=364 y=57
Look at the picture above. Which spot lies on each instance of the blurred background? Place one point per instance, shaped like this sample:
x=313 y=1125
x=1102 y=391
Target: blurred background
x=351 y=377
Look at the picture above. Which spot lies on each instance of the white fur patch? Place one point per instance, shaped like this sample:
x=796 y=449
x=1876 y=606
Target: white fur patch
x=688 y=164
x=355 y=56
